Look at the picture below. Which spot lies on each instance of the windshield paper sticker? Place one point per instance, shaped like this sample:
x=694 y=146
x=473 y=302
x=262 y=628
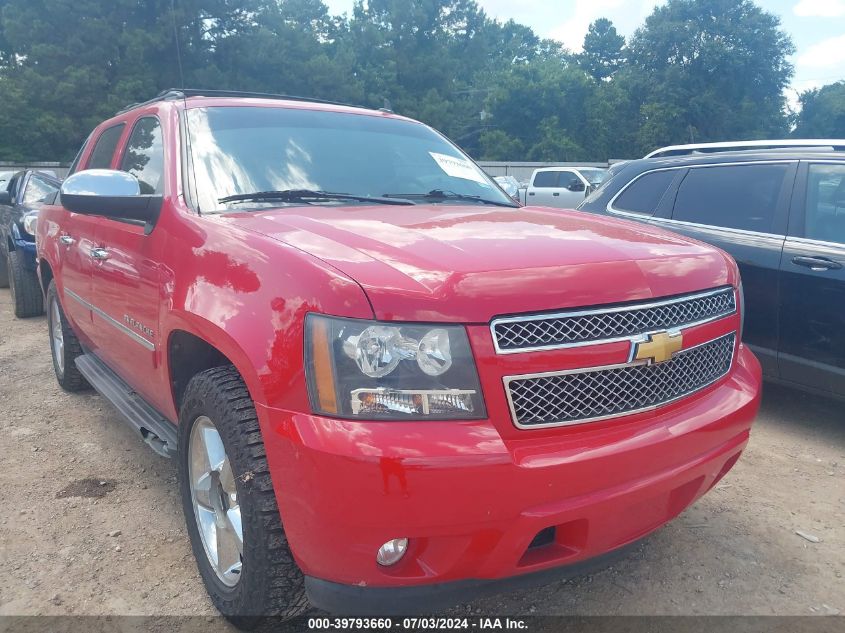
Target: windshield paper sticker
x=458 y=167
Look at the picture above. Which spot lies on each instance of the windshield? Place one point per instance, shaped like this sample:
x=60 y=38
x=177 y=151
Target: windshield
x=509 y=184
x=242 y=150
x=594 y=176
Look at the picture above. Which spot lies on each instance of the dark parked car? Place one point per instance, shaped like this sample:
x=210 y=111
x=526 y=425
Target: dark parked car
x=781 y=215
x=24 y=194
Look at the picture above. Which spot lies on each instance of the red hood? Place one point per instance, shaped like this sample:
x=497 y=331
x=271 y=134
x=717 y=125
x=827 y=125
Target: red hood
x=469 y=264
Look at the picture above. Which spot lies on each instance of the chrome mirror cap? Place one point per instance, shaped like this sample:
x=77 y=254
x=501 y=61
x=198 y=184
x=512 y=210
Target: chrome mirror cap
x=101 y=182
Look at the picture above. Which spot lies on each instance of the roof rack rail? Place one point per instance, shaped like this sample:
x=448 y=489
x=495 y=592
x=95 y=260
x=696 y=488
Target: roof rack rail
x=835 y=145
x=181 y=93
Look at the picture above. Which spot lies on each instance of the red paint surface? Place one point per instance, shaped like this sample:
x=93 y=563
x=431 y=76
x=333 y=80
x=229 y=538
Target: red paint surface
x=470 y=495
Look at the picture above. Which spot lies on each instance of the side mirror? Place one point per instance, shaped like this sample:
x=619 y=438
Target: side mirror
x=5 y=198
x=576 y=185
x=30 y=221
x=111 y=194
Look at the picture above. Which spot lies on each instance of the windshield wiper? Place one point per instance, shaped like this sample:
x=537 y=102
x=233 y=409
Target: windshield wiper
x=439 y=194
x=296 y=195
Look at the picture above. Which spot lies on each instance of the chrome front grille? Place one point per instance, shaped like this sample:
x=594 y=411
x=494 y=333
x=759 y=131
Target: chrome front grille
x=569 y=329
x=577 y=396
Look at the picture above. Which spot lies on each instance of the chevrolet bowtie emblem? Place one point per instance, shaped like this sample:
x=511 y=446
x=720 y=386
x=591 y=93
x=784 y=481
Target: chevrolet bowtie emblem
x=659 y=347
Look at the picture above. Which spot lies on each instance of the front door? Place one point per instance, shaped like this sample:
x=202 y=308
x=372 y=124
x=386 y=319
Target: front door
x=125 y=278
x=76 y=243
x=812 y=340
x=571 y=188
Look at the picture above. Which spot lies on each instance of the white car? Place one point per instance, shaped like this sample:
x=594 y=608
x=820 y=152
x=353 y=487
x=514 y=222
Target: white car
x=563 y=187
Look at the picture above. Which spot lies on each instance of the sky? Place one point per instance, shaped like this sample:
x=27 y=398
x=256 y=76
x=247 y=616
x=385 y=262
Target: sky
x=817 y=28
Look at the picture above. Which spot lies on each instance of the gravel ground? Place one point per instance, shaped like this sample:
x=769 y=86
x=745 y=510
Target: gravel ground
x=90 y=521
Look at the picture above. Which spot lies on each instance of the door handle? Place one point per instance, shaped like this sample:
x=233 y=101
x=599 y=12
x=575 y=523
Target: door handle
x=530 y=193
x=556 y=194
x=67 y=240
x=99 y=253
x=816 y=264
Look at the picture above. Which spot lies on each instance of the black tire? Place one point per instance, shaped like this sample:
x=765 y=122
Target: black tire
x=24 y=286
x=270 y=583
x=4 y=270
x=67 y=374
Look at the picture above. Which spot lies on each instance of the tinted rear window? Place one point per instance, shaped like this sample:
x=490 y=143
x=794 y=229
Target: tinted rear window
x=645 y=193
x=103 y=152
x=546 y=179
x=736 y=197
x=825 y=215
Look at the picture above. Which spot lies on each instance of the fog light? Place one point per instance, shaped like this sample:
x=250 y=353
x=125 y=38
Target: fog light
x=392 y=552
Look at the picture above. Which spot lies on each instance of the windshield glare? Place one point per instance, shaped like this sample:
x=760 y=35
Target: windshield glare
x=594 y=176
x=237 y=150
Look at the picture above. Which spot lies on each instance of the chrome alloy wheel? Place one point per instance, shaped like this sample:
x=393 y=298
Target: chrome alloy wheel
x=215 y=501
x=57 y=338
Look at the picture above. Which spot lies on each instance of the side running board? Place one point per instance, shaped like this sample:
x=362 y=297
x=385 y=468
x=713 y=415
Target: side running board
x=156 y=430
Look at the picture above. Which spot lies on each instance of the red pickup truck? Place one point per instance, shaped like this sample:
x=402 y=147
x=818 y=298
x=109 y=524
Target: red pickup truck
x=388 y=387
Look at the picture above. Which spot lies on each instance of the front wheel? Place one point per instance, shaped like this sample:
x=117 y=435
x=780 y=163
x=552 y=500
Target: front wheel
x=230 y=506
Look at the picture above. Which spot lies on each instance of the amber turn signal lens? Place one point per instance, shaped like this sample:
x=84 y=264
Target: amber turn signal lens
x=322 y=364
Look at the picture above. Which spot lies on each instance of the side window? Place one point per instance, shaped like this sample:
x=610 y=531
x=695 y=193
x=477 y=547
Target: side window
x=104 y=149
x=545 y=179
x=144 y=157
x=14 y=185
x=565 y=178
x=38 y=190
x=645 y=193
x=824 y=218
x=735 y=197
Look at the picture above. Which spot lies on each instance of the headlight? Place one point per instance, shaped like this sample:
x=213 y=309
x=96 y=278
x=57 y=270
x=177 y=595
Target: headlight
x=387 y=371
x=29 y=221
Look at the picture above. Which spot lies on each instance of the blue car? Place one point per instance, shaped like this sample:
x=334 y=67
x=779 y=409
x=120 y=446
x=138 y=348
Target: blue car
x=25 y=192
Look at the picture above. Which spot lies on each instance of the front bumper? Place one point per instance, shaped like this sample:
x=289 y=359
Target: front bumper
x=431 y=598
x=472 y=497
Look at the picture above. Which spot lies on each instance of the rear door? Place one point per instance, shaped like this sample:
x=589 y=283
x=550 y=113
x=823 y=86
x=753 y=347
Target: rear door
x=812 y=315
x=743 y=209
x=543 y=189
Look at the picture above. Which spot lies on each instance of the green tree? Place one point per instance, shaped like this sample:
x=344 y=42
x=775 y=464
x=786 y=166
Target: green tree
x=603 y=52
x=697 y=70
x=76 y=62
x=553 y=144
x=499 y=145
x=710 y=70
x=822 y=112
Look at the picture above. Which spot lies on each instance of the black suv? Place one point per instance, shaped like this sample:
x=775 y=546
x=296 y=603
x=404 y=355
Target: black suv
x=781 y=215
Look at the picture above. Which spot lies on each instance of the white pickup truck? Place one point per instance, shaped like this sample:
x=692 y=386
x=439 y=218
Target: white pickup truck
x=562 y=187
